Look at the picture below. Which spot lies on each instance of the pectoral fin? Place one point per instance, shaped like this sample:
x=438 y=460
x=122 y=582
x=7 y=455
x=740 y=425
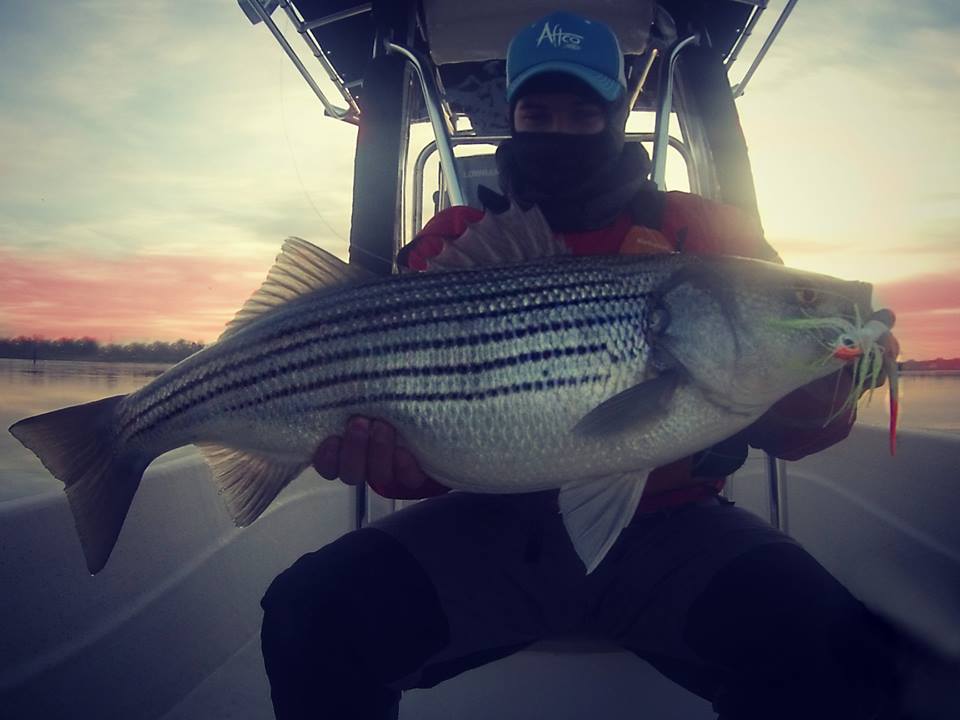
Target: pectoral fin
x=631 y=408
x=596 y=510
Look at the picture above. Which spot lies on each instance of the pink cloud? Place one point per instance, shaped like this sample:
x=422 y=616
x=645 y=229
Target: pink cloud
x=935 y=291
x=162 y=297
x=926 y=336
x=155 y=297
x=928 y=314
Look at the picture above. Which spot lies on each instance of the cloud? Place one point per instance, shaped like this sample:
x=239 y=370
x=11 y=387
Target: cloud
x=847 y=121
x=928 y=313
x=927 y=336
x=157 y=157
x=169 y=127
x=938 y=237
x=949 y=196
x=907 y=45
x=948 y=248
x=800 y=246
x=137 y=297
x=923 y=293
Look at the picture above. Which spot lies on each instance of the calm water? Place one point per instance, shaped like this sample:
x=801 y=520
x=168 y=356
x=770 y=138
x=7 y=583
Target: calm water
x=928 y=402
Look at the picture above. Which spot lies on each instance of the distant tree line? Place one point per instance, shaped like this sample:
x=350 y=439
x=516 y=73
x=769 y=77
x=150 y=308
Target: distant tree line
x=87 y=348
x=938 y=364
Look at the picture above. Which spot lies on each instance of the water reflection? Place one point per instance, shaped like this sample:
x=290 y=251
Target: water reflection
x=30 y=388
x=927 y=402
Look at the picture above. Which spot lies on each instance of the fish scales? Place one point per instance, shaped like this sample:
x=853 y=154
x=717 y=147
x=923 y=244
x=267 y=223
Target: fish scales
x=289 y=335
x=547 y=305
x=332 y=376
x=293 y=362
x=378 y=298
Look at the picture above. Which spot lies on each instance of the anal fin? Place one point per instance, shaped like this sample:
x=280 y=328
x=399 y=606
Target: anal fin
x=248 y=482
x=596 y=510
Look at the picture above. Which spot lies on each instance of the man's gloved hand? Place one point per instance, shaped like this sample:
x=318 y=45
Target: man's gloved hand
x=367 y=453
x=891 y=348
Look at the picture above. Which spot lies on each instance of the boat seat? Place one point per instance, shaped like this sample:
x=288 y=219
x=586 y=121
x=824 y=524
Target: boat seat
x=576 y=644
x=474 y=171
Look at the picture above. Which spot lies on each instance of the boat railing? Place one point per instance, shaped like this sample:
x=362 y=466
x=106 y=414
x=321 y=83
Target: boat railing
x=428 y=150
x=261 y=10
x=741 y=86
x=665 y=108
x=440 y=117
x=442 y=127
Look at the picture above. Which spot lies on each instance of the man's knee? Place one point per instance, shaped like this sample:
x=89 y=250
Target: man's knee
x=363 y=598
x=785 y=633
x=769 y=596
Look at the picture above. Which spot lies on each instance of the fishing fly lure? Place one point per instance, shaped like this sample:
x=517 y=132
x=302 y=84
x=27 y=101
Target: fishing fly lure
x=861 y=343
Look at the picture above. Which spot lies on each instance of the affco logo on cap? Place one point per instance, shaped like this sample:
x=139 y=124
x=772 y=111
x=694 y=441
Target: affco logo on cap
x=558 y=38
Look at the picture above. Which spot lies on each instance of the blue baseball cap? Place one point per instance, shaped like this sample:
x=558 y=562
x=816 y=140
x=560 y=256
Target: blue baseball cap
x=566 y=43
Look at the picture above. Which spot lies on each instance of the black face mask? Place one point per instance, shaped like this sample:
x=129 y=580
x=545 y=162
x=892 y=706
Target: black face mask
x=580 y=182
x=560 y=165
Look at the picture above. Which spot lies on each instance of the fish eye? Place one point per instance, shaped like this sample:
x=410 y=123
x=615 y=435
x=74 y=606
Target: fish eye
x=806 y=296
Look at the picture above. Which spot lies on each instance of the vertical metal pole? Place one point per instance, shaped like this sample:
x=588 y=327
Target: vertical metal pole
x=360 y=513
x=664 y=107
x=431 y=98
x=777 y=494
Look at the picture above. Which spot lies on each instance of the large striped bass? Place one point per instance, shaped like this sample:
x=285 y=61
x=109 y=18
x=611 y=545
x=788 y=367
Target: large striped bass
x=555 y=372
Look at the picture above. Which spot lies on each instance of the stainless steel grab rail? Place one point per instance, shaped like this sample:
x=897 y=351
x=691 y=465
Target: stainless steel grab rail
x=431 y=147
x=351 y=112
x=441 y=131
x=661 y=129
x=739 y=88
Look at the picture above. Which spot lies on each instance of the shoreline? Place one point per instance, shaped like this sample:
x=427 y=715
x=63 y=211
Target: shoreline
x=125 y=361
x=163 y=361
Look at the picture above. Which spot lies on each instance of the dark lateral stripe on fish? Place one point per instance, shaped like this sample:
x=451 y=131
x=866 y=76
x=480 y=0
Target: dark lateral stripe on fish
x=265 y=357
x=466 y=395
x=218 y=387
x=375 y=374
x=347 y=311
x=423 y=371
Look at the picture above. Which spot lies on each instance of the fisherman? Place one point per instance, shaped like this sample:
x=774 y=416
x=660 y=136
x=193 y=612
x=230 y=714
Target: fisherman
x=714 y=598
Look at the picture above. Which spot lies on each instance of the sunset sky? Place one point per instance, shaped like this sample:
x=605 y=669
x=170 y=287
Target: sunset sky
x=154 y=155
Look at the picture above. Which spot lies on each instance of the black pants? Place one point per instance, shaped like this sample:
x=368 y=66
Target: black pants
x=771 y=634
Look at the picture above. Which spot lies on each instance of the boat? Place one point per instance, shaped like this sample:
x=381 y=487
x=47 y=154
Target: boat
x=169 y=629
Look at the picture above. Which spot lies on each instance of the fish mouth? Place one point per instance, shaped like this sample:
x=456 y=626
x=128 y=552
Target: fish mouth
x=863 y=344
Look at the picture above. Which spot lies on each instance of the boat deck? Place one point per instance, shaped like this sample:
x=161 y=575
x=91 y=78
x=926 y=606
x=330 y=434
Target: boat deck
x=530 y=684
x=168 y=630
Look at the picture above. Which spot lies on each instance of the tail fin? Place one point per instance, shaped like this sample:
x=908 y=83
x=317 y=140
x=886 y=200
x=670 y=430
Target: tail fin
x=78 y=445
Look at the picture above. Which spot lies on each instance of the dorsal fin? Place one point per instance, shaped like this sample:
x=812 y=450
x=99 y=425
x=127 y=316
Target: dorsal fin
x=512 y=236
x=300 y=268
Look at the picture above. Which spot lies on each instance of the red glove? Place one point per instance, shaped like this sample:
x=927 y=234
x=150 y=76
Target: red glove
x=797 y=425
x=367 y=453
x=446 y=225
